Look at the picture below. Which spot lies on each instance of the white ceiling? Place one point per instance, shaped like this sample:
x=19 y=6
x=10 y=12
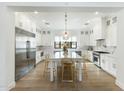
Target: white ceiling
x=75 y=20
x=65 y=4
x=62 y=9
x=53 y=13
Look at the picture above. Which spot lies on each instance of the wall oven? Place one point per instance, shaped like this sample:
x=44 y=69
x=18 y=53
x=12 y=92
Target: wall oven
x=96 y=59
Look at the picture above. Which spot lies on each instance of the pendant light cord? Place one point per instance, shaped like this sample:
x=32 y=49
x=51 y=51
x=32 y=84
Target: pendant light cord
x=65 y=22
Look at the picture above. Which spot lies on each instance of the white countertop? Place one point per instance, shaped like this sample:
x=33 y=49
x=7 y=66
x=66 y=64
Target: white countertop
x=59 y=55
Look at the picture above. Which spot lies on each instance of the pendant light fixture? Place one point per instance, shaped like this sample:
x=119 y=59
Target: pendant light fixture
x=65 y=32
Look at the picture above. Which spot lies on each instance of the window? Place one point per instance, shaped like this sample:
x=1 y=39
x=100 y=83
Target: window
x=74 y=45
x=74 y=39
x=57 y=38
x=57 y=42
x=71 y=42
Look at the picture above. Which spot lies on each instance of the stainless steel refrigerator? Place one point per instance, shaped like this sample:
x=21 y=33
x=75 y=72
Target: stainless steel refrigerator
x=25 y=52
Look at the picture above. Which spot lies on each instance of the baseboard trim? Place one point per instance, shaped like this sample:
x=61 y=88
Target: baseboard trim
x=11 y=85
x=121 y=85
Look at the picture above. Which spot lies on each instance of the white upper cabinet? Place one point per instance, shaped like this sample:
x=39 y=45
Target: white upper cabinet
x=95 y=30
x=46 y=38
x=84 y=38
x=98 y=26
x=111 y=31
x=23 y=22
x=38 y=37
x=104 y=28
x=92 y=41
x=43 y=38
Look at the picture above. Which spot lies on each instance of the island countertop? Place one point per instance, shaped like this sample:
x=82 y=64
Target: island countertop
x=60 y=55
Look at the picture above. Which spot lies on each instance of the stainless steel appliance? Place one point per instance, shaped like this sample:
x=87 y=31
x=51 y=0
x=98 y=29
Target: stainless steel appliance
x=96 y=58
x=25 y=52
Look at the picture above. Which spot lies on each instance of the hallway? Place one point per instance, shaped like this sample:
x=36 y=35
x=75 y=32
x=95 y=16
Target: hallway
x=94 y=79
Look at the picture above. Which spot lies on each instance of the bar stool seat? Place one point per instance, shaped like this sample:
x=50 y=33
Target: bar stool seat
x=46 y=65
x=67 y=70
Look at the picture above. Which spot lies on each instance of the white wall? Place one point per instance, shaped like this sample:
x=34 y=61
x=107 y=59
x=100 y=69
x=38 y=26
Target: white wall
x=50 y=38
x=7 y=49
x=120 y=50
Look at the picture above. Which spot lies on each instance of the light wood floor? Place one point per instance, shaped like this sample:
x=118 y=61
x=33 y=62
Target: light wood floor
x=94 y=79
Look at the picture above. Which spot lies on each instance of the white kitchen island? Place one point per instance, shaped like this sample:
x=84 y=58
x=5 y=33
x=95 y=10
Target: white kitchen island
x=56 y=61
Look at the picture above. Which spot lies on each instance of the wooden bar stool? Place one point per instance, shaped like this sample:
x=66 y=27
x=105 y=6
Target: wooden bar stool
x=85 y=72
x=46 y=66
x=68 y=70
x=46 y=63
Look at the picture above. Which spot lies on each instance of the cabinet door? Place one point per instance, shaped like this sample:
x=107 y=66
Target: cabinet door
x=103 y=61
x=97 y=28
x=107 y=65
x=38 y=37
x=22 y=21
x=112 y=66
x=48 y=39
x=103 y=64
x=111 y=34
x=83 y=40
x=37 y=57
x=92 y=40
x=90 y=56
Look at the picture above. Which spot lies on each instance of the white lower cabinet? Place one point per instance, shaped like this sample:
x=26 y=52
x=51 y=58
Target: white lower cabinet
x=90 y=55
x=108 y=64
x=38 y=57
x=103 y=63
x=112 y=65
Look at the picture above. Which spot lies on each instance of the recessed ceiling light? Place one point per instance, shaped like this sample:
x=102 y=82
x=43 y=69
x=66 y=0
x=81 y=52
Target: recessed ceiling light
x=36 y=12
x=88 y=21
x=44 y=21
x=96 y=13
x=48 y=26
